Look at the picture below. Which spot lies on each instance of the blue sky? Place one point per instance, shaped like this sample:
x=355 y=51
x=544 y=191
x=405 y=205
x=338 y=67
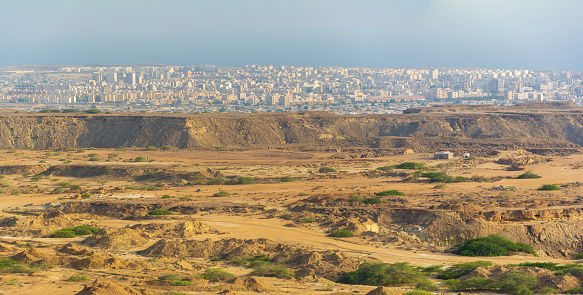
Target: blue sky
x=509 y=34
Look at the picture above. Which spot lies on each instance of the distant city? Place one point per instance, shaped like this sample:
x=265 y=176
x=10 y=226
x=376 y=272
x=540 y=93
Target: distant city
x=266 y=88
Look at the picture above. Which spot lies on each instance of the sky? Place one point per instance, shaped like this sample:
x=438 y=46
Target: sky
x=502 y=34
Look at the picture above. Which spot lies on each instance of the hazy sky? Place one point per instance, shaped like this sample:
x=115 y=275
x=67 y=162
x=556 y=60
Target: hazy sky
x=508 y=34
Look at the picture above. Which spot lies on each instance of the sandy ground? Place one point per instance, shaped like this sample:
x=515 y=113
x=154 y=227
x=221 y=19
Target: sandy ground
x=23 y=190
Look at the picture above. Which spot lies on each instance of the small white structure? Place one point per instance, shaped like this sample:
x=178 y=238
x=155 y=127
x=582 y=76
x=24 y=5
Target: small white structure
x=443 y=155
x=466 y=155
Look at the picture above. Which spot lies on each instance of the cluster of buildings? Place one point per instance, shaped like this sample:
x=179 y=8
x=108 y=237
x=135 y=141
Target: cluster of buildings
x=276 y=88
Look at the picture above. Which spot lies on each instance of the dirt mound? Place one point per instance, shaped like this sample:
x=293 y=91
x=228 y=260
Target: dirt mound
x=32 y=255
x=546 y=278
x=6 y=248
x=522 y=160
x=97 y=261
x=99 y=287
x=182 y=230
x=36 y=226
x=250 y=284
x=383 y=291
x=113 y=238
x=23 y=169
x=73 y=249
x=306 y=262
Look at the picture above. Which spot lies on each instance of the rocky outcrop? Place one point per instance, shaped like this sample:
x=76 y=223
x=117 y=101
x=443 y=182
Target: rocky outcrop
x=420 y=132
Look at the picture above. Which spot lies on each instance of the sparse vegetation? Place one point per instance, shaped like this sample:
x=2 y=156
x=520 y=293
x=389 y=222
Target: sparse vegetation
x=355 y=198
x=386 y=168
x=251 y=261
x=411 y=166
x=140 y=159
x=342 y=233
x=493 y=246
x=549 y=187
x=268 y=269
x=160 y=212
x=287 y=179
x=77 y=278
x=461 y=269
x=528 y=175
x=246 y=180
x=372 y=201
x=443 y=177
x=326 y=170
x=381 y=274
x=390 y=193
x=221 y=194
x=81 y=230
x=217 y=181
x=216 y=273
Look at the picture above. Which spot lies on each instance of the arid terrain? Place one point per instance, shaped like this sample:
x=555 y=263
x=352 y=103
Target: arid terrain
x=232 y=189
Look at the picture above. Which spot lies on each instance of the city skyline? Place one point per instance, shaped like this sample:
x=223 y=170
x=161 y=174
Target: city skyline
x=493 y=34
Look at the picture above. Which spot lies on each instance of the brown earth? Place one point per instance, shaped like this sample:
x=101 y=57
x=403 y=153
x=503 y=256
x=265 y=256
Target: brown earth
x=285 y=219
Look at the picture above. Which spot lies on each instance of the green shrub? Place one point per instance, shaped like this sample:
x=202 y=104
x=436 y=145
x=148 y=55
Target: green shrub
x=461 y=269
x=78 y=278
x=221 y=194
x=166 y=196
x=355 y=198
x=390 y=193
x=245 y=180
x=216 y=273
x=288 y=179
x=418 y=292
x=326 y=170
x=475 y=284
x=547 y=290
x=151 y=188
x=493 y=246
x=517 y=283
x=549 y=187
x=83 y=230
x=217 y=181
x=304 y=220
x=273 y=270
x=411 y=166
x=93 y=111
x=251 y=261
x=167 y=148
x=140 y=159
x=432 y=269
x=170 y=277
x=381 y=274
x=160 y=212
x=426 y=285
x=342 y=233
x=185 y=198
x=63 y=234
x=578 y=256
x=528 y=175
x=386 y=168
x=37 y=177
x=93 y=159
x=181 y=283
x=577 y=290
x=372 y=201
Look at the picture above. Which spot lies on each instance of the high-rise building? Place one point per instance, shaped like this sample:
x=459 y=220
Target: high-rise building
x=435 y=74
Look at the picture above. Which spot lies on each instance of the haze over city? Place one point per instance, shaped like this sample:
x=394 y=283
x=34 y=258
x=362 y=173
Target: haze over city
x=518 y=34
